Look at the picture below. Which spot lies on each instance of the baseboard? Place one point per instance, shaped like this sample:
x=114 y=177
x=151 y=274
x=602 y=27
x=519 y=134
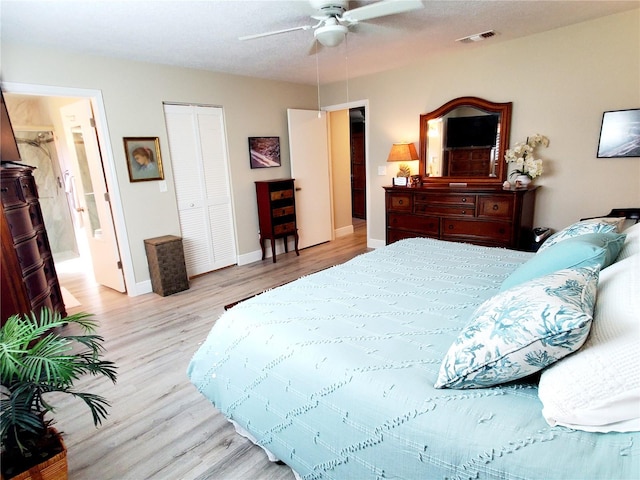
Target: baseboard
x=343 y=231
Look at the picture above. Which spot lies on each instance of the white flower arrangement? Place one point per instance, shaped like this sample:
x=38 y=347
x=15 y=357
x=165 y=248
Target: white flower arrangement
x=522 y=156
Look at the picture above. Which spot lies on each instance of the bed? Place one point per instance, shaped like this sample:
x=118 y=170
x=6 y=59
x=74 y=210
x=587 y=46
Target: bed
x=378 y=368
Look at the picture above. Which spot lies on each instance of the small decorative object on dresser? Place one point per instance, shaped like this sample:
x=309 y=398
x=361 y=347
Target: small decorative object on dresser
x=521 y=156
x=277 y=213
x=483 y=215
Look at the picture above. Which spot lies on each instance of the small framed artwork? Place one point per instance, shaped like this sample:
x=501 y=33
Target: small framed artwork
x=264 y=152
x=620 y=134
x=400 y=182
x=143 y=158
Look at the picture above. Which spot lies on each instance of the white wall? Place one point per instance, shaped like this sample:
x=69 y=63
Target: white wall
x=560 y=83
x=133 y=95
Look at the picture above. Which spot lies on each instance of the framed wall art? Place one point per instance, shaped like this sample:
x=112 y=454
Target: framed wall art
x=264 y=152
x=143 y=158
x=620 y=134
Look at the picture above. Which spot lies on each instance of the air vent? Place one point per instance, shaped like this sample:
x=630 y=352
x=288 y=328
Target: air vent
x=476 y=37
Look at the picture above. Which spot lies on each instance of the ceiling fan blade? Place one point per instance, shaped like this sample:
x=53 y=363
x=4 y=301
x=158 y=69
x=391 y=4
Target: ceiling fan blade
x=275 y=32
x=381 y=9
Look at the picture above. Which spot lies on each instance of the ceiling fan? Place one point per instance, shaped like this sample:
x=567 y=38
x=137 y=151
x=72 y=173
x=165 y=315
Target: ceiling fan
x=334 y=19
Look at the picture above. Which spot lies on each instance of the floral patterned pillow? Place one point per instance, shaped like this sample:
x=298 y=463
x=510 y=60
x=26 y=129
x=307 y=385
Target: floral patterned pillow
x=581 y=228
x=522 y=330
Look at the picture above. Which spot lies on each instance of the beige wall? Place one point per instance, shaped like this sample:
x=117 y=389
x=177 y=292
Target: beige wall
x=133 y=95
x=560 y=83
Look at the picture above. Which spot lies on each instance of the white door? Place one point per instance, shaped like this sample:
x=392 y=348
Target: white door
x=198 y=148
x=93 y=198
x=309 y=150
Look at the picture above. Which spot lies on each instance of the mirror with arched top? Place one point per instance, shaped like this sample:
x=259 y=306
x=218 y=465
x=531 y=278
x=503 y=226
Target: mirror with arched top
x=464 y=141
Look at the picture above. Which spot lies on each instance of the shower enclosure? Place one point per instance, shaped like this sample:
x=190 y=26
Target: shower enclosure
x=37 y=149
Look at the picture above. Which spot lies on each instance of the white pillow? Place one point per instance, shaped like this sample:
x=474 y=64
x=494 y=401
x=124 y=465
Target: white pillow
x=597 y=389
x=631 y=244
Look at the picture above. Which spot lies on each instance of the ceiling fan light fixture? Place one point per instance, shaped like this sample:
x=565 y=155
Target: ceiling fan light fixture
x=330 y=35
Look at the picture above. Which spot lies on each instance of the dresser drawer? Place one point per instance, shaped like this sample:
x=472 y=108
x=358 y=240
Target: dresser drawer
x=283 y=211
x=424 y=224
x=28 y=253
x=399 y=202
x=36 y=283
x=280 y=194
x=498 y=232
x=11 y=192
x=284 y=228
x=464 y=210
x=495 y=206
x=19 y=222
x=451 y=198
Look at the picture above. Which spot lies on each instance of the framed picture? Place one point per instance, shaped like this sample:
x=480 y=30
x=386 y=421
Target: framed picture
x=264 y=152
x=620 y=134
x=143 y=158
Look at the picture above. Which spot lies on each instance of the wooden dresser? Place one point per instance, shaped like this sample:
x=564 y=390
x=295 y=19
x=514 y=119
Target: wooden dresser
x=488 y=216
x=29 y=279
x=277 y=213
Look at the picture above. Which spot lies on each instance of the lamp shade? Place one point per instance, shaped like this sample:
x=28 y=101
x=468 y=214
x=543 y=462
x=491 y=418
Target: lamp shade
x=402 y=152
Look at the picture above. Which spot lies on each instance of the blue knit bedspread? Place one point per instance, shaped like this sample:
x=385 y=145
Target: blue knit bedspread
x=334 y=374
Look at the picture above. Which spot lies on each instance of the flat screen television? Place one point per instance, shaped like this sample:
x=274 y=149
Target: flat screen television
x=476 y=131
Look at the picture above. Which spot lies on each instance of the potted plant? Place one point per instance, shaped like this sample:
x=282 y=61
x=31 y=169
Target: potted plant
x=41 y=354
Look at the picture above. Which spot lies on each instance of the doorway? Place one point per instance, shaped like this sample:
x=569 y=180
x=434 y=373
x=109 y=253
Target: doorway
x=35 y=114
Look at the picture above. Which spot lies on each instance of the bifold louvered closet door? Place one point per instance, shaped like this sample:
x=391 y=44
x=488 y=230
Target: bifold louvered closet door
x=198 y=150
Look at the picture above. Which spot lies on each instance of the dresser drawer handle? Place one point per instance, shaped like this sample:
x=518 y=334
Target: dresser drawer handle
x=400 y=202
x=464 y=199
x=495 y=207
x=450 y=226
x=463 y=212
x=4 y=189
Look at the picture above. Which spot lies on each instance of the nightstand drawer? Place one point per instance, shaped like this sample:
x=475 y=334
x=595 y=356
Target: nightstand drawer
x=495 y=206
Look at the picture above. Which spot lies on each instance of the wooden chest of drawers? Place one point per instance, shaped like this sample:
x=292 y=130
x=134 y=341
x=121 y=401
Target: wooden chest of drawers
x=481 y=215
x=276 y=213
x=29 y=279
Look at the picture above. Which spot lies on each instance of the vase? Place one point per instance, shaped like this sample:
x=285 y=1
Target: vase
x=523 y=181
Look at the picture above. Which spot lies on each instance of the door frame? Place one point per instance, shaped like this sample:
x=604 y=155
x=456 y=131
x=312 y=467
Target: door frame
x=347 y=106
x=108 y=162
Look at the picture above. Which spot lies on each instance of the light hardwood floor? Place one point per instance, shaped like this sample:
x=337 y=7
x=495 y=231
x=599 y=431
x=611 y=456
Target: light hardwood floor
x=159 y=426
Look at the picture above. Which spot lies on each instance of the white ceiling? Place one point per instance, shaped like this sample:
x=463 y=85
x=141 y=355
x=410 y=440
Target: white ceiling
x=204 y=34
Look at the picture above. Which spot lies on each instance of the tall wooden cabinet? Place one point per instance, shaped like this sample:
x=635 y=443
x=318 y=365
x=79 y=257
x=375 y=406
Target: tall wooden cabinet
x=276 y=213
x=489 y=216
x=29 y=279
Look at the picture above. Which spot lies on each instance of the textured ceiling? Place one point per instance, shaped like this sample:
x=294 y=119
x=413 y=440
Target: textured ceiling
x=204 y=34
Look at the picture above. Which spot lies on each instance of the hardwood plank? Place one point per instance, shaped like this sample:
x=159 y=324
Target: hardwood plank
x=159 y=426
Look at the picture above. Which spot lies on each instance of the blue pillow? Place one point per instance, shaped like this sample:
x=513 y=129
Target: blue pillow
x=601 y=248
